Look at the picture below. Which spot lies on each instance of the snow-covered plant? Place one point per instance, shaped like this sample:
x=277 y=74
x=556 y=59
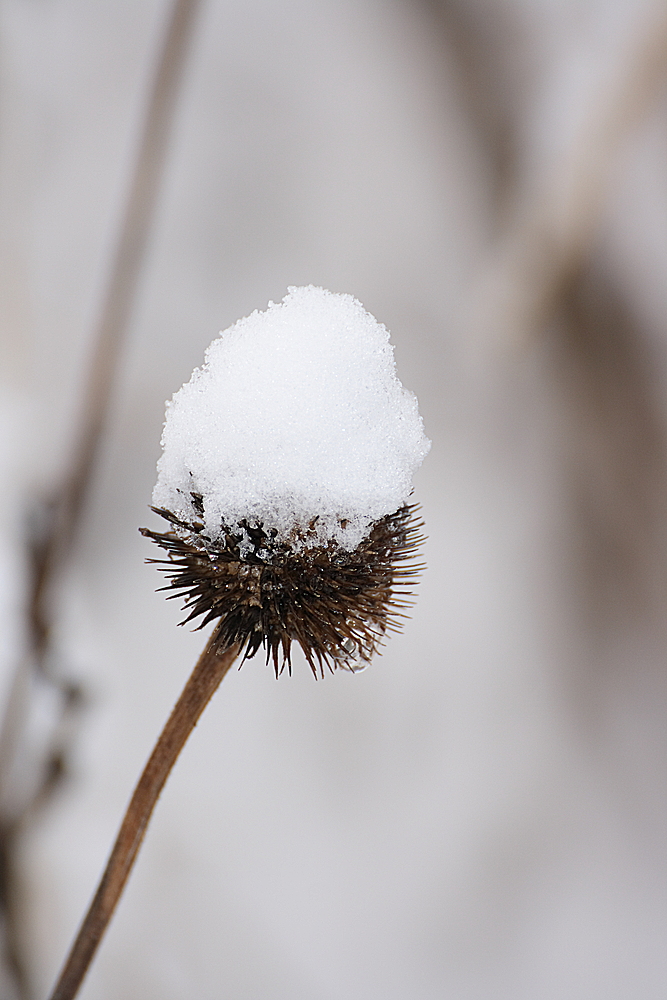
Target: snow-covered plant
x=285 y=479
x=287 y=466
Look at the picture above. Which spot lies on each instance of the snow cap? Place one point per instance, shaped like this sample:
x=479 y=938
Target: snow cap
x=296 y=420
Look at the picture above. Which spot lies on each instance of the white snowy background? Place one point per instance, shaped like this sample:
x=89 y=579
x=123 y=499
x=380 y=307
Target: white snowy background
x=482 y=813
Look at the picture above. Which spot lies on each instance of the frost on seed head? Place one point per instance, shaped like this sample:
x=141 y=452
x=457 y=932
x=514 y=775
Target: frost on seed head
x=297 y=423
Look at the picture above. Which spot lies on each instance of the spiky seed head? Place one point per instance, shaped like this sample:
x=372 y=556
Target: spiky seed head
x=335 y=603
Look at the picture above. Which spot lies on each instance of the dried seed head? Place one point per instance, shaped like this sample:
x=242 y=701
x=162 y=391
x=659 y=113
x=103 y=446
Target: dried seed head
x=335 y=603
x=286 y=466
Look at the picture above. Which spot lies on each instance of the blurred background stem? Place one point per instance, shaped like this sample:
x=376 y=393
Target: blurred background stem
x=52 y=530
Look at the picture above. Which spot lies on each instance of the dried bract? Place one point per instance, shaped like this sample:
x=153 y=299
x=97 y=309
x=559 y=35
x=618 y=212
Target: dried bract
x=335 y=603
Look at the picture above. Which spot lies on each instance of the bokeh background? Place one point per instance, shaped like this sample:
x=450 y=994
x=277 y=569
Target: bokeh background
x=481 y=814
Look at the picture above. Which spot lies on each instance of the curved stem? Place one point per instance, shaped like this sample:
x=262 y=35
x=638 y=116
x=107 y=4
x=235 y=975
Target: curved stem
x=56 y=520
x=210 y=669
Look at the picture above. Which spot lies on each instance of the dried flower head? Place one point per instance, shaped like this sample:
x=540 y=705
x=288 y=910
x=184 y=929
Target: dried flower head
x=286 y=470
x=335 y=603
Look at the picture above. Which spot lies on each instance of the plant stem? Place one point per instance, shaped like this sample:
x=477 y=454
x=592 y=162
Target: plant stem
x=130 y=254
x=50 y=540
x=209 y=671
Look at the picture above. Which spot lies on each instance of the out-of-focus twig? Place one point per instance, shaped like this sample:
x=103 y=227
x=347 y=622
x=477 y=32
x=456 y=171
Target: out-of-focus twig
x=121 y=290
x=53 y=528
x=481 y=42
x=551 y=226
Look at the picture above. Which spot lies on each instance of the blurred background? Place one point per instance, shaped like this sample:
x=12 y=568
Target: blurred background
x=482 y=813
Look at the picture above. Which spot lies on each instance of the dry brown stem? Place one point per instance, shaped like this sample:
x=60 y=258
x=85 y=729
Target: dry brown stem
x=209 y=671
x=50 y=544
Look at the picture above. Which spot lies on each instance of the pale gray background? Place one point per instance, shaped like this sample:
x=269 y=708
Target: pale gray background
x=481 y=814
